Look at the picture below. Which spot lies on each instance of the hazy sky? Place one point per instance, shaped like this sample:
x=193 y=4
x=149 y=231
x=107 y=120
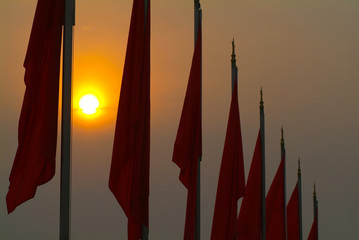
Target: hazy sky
x=304 y=54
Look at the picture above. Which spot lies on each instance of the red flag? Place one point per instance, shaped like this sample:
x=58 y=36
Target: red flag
x=313 y=235
x=293 y=215
x=231 y=182
x=275 y=206
x=188 y=144
x=129 y=175
x=34 y=162
x=249 y=219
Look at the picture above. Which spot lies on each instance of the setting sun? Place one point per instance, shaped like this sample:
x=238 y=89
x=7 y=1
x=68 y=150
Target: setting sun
x=89 y=103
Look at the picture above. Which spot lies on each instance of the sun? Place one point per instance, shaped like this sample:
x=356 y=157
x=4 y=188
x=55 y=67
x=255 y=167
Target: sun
x=89 y=103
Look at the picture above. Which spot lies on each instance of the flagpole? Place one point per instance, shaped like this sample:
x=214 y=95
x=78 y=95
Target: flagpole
x=315 y=208
x=197 y=20
x=283 y=154
x=234 y=67
x=197 y=7
x=144 y=231
x=300 y=201
x=263 y=189
x=65 y=185
x=282 y=148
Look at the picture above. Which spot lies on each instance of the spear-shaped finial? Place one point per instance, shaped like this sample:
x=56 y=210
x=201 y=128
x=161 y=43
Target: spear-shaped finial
x=198 y=4
x=314 y=193
x=282 y=148
x=261 y=102
x=233 y=51
x=299 y=170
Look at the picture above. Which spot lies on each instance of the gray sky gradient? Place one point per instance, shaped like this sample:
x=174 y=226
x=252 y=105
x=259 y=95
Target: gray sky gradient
x=304 y=54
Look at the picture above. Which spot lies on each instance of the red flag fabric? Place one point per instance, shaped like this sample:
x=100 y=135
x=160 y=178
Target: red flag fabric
x=249 y=218
x=293 y=216
x=275 y=206
x=34 y=162
x=231 y=181
x=188 y=144
x=313 y=234
x=129 y=174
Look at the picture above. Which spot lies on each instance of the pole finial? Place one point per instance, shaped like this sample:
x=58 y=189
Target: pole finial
x=233 y=51
x=299 y=170
x=261 y=102
x=314 y=192
x=282 y=136
x=198 y=4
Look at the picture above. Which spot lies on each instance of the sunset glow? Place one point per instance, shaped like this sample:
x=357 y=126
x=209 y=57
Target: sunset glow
x=89 y=103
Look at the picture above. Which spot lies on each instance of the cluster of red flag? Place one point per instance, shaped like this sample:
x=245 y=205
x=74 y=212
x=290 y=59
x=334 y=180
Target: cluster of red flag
x=258 y=217
x=34 y=162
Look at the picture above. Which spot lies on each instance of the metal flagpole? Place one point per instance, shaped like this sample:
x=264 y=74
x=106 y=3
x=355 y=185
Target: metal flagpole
x=197 y=7
x=263 y=189
x=315 y=208
x=234 y=66
x=284 y=182
x=237 y=76
x=197 y=20
x=65 y=185
x=144 y=234
x=300 y=201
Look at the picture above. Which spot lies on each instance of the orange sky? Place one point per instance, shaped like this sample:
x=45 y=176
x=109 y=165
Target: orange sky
x=304 y=54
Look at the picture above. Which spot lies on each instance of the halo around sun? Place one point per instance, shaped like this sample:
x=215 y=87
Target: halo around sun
x=89 y=103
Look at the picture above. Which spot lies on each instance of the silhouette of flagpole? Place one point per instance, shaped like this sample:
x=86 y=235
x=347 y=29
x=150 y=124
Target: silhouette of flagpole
x=263 y=181
x=283 y=154
x=197 y=20
x=300 y=201
x=234 y=66
x=315 y=208
x=65 y=185
x=144 y=228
